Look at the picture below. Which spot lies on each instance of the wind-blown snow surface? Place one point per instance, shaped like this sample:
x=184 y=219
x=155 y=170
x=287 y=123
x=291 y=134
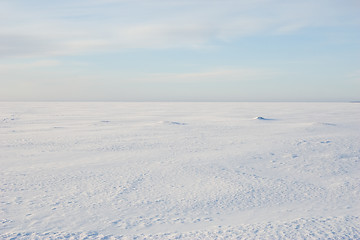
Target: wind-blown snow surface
x=179 y=170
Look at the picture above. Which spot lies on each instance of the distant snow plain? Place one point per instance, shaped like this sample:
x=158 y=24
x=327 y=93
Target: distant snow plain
x=179 y=170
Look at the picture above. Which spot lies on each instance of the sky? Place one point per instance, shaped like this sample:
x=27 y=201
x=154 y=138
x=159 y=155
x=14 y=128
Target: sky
x=180 y=50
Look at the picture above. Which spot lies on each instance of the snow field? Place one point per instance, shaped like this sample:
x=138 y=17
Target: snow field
x=179 y=170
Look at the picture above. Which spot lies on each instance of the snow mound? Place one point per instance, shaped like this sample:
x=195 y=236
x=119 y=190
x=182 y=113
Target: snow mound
x=105 y=121
x=172 y=123
x=324 y=124
x=262 y=118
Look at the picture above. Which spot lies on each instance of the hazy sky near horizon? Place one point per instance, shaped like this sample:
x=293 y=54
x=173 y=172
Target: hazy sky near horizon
x=180 y=50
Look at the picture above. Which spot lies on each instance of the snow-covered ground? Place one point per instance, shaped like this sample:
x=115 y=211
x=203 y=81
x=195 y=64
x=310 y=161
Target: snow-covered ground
x=179 y=170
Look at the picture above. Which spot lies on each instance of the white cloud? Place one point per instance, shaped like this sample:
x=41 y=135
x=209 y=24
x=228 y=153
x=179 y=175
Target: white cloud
x=217 y=75
x=28 y=65
x=48 y=28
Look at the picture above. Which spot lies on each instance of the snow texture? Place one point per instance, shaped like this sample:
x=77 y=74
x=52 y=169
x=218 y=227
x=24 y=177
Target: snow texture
x=179 y=171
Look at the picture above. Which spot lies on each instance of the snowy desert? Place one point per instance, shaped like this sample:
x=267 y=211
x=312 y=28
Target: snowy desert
x=157 y=170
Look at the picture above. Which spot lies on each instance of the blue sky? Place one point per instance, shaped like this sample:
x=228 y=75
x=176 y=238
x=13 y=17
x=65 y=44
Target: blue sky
x=157 y=50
